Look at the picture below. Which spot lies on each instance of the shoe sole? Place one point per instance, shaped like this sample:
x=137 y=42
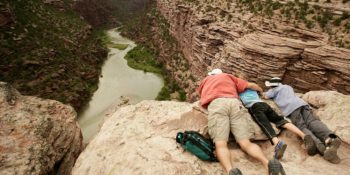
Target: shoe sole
x=275 y=168
x=281 y=151
x=310 y=145
x=331 y=155
x=321 y=148
x=335 y=144
x=235 y=171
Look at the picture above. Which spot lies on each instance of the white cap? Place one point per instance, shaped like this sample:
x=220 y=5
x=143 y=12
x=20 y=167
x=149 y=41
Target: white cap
x=215 y=72
x=275 y=81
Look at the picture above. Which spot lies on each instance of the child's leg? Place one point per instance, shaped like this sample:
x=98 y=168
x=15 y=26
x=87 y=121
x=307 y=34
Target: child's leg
x=294 y=129
x=257 y=112
x=279 y=121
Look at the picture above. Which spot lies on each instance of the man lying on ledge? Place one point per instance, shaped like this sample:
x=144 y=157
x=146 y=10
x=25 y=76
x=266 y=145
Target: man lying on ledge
x=219 y=94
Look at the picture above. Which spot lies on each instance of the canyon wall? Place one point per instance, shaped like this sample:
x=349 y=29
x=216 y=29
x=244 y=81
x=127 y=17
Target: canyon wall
x=47 y=50
x=255 y=45
x=96 y=12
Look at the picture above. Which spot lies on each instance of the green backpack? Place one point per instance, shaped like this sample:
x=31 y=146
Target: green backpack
x=197 y=144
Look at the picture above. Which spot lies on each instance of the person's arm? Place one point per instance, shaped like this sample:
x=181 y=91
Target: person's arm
x=255 y=87
x=269 y=94
x=264 y=96
x=200 y=87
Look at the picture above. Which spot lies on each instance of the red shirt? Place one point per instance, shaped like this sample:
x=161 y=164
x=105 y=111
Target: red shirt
x=220 y=85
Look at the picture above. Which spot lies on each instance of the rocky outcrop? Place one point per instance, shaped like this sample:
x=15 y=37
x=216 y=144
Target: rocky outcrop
x=255 y=46
x=36 y=136
x=140 y=139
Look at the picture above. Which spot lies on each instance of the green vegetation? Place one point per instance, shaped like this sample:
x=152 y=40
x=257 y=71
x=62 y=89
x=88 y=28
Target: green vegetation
x=222 y=13
x=344 y=16
x=49 y=52
x=192 y=1
x=324 y=19
x=151 y=32
x=143 y=58
x=170 y=88
x=296 y=12
x=118 y=46
x=102 y=36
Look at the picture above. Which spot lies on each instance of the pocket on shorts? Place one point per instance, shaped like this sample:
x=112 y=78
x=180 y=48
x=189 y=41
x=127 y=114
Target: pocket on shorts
x=242 y=126
x=211 y=126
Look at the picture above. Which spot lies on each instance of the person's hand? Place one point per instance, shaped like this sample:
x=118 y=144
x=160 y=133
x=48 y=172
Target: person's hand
x=264 y=96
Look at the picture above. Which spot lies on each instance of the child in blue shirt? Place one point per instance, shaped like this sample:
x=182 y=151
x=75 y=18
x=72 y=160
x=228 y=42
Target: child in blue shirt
x=263 y=114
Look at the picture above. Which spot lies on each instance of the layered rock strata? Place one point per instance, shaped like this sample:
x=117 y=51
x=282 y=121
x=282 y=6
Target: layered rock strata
x=217 y=34
x=140 y=139
x=37 y=136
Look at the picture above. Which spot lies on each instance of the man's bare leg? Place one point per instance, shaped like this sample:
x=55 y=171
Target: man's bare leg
x=223 y=154
x=275 y=140
x=294 y=129
x=254 y=150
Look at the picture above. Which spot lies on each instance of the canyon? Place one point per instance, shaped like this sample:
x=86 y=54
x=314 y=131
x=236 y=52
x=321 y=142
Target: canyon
x=49 y=51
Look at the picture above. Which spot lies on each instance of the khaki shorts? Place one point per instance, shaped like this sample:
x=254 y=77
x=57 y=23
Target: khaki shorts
x=228 y=114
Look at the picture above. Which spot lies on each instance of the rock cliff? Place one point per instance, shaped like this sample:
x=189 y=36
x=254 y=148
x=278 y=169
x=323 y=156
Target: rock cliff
x=140 y=139
x=307 y=44
x=37 y=136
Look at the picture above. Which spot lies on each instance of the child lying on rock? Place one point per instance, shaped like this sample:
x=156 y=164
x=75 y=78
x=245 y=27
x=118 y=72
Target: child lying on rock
x=263 y=114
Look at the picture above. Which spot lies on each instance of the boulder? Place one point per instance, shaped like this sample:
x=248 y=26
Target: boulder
x=333 y=108
x=37 y=136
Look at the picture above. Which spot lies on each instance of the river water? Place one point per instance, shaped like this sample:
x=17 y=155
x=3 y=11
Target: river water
x=117 y=80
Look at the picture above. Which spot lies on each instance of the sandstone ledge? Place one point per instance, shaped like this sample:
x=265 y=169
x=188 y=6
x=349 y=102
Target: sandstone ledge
x=140 y=139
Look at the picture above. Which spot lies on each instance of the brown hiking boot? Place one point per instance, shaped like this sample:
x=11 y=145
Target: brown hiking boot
x=333 y=142
x=235 y=171
x=321 y=148
x=331 y=155
x=275 y=168
x=310 y=145
x=331 y=152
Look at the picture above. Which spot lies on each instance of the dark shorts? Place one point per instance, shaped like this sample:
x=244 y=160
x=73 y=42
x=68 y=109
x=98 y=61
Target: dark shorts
x=263 y=114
